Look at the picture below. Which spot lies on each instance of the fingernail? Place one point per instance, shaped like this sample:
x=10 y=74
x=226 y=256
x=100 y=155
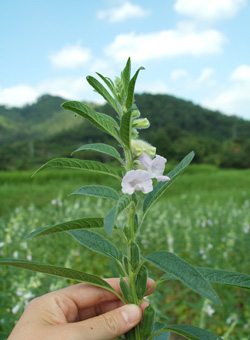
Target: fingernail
x=131 y=313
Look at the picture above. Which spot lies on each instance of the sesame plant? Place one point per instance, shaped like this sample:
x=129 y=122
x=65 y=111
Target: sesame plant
x=142 y=182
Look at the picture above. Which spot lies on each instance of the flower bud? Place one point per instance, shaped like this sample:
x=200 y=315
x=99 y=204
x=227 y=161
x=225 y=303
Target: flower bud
x=134 y=134
x=139 y=147
x=136 y=114
x=141 y=123
x=137 y=165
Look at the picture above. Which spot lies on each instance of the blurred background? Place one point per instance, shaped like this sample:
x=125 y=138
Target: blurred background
x=195 y=93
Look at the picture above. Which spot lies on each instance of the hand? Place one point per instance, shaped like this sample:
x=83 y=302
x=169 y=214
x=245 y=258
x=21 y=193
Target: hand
x=79 y=312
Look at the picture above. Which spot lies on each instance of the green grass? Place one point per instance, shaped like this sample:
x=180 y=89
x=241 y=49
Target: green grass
x=204 y=218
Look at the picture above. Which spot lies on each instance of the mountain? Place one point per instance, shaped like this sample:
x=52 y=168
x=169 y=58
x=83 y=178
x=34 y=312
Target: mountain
x=36 y=133
x=42 y=119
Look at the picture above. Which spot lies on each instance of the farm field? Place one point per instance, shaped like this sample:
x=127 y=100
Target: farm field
x=204 y=218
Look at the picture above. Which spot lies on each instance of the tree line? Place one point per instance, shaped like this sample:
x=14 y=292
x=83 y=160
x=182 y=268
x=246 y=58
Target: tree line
x=27 y=137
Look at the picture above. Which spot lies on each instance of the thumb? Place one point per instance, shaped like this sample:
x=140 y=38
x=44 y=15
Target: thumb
x=110 y=325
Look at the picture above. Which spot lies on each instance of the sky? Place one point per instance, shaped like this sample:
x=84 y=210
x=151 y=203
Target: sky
x=197 y=50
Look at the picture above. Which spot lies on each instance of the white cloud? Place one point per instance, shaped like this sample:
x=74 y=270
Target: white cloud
x=18 y=96
x=167 y=43
x=70 y=57
x=206 y=77
x=209 y=10
x=124 y=12
x=235 y=98
x=66 y=87
x=241 y=74
x=188 y=83
x=178 y=74
x=71 y=88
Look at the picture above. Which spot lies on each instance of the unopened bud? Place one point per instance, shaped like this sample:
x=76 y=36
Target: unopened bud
x=141 y=123
x=136 y=113
x=139 y=147
x=134 y=134
x=137 y=165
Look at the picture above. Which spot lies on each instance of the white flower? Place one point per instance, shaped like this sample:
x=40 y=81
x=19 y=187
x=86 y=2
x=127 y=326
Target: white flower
x=2 y=244
x=15 y=309
x=137 y=180
x=246 y=229
x=210 y=311
x=155 y=166
x=29 y=295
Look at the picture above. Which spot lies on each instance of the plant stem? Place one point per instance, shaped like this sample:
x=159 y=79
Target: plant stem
x=132 y=274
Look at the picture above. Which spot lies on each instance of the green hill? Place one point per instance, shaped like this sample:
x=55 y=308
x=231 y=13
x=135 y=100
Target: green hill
x=35 y=133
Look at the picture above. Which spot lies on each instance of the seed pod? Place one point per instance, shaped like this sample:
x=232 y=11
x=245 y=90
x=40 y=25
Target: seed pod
x=126 y=293
x=125 y=264
x=148 y=321
x=130 y=335
x=134 y=255
x=141 y=282
x=126 y=231
x=136 y=223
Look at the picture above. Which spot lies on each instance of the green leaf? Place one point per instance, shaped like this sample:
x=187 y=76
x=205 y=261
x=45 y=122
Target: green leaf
x=125 y=75
x=97 y=191
x=225 y=277
x=109 y=219
x=83 y=223
x=100 y=120
x=96 y=242
x=131 y=89
x=160 y=336
x=218 y=276
x=79 y=164
x=191 y=332
x=100 y=147
x=126 y=128
x=110 y=85
x=186 y=273
x=161 y=187
x=58 y=271
x=103 y=92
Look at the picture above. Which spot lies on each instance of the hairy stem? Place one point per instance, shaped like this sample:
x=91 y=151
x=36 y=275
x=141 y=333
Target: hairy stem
x=132 y=274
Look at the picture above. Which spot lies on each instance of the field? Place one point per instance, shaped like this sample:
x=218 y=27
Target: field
x=204 y=218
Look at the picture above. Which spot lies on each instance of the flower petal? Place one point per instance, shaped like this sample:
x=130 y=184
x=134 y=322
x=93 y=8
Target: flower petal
x=158 y=165
x=162 y=178
x=146 y=161
x=137 y=180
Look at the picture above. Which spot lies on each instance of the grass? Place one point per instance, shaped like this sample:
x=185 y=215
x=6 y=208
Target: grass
x=204 y=218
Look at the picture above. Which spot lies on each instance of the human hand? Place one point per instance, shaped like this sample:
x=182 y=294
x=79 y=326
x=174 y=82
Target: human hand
x=79 y=312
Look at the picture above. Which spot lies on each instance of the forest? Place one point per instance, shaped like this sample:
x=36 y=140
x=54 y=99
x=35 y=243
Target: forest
x=32 y=135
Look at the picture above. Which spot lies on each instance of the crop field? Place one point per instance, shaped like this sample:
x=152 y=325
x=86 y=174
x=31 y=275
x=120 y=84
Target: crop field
x=204 y=218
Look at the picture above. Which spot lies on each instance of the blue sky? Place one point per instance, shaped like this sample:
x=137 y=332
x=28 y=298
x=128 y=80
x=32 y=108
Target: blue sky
x=198 y=50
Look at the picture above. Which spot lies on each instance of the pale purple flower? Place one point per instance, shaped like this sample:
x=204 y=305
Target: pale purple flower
x=155 y=166
x=135 y=180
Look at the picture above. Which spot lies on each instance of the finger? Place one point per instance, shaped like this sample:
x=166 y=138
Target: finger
x=150 y=282
x=108 y=326
x=97 y=310
x=104 y=307
x=86 y=295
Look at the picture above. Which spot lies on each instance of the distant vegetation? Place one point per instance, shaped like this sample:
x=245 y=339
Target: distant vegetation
x=204 y=218
x=31 y=135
